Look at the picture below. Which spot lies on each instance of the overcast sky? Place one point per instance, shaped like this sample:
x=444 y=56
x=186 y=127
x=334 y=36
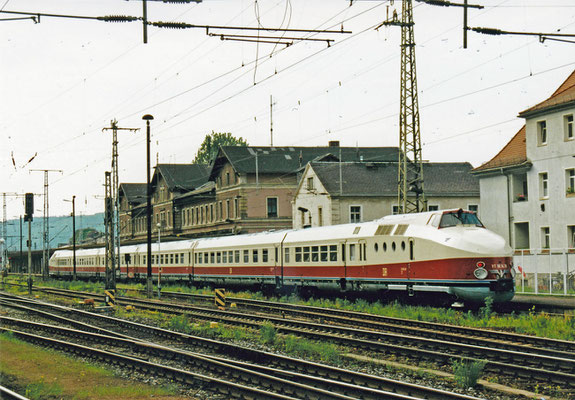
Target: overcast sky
x=64 y=80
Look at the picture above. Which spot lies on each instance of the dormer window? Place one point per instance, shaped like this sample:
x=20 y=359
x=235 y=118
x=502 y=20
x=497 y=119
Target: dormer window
x=542 y=133
x=310 y=183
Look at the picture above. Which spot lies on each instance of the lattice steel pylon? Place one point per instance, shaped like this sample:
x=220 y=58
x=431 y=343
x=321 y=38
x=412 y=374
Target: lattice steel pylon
x=410 y=175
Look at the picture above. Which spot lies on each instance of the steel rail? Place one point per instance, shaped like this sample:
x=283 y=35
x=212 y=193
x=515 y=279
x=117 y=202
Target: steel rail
x=273 y=360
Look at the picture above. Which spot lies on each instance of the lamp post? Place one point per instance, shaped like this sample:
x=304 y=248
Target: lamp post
x=73 y=201
x=159 y=226
x=149 y=283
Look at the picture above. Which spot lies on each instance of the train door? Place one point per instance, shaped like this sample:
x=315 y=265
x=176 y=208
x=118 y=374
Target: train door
x=282 y=259
x=192 y=262
x=362 y=257
x=277 y=264
x=410 y=270
x=343 y=279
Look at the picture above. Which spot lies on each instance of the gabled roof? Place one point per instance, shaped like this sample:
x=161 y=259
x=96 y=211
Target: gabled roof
x=135 y=193
x=380 y=179
x=513 y=154
x=281 y=160
x=564 y=96
x=182 y=177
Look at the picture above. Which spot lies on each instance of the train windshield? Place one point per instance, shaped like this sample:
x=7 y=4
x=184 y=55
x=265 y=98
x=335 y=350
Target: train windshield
x=459 y=217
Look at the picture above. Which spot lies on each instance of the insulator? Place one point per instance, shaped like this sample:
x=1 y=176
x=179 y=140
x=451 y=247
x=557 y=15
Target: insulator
x=118 y=18
x=171 y=25
x=182 y=1
x=488 y=31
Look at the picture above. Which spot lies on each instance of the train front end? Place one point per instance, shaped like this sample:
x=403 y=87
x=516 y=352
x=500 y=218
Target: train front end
x=485 y=258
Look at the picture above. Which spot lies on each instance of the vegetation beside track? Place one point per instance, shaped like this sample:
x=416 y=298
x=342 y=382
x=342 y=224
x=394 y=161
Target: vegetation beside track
x=43 y=374
x=532 y=323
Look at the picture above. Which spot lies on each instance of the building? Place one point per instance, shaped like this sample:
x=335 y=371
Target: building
x=246 y=189
x=529 y=186
x=331 y=193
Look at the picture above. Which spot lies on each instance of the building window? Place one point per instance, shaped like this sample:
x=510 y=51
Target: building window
x=310 y=183
x=221 y=210
x=236 y=208
x=545 y=237
x=542 y=133
x=320 y=216
x=568 y=127
x=431 y=207
x=571 y=236
x=228 y=209
x=474 y=208
x=211 y=212
x=354 y=214
x=522 y=235
x=272 y=207
x=227 y=178
x=544 y=185
x=570 y=181
x=394 y=210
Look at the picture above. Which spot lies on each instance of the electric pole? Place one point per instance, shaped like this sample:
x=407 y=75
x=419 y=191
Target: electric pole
x=115 y=185
x=110 y=261
x=45 y=222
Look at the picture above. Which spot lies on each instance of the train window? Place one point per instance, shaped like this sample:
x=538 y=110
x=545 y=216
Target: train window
x=403 y=245
x=306 y=252
x=237 y=256
x=384 y=247
x=333 y=252
x=195 y=258
x=323 y=253
x=393 y=246
x=365 y=251
x=298 y=254
x=212 y=257
x=315 y=253
x=286 y=254
x=255 y=255
x=230 y=256
x=246 y=256
x=360 y=252
x=162 y=259
x=219 y=257
x=265 y=255
x=376 y=247
x=172 y=259
x=352 y=252
x=224 y=257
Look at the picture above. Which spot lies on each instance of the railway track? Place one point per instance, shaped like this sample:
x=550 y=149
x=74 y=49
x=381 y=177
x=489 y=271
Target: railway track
x=548 y=366
x=368 y=386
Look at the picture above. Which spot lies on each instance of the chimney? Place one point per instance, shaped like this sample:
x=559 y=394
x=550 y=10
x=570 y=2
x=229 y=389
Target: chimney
x=333 y=143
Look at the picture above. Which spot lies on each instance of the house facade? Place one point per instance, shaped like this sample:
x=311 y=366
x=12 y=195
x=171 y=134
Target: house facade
x=331 y=193
x=529 y=186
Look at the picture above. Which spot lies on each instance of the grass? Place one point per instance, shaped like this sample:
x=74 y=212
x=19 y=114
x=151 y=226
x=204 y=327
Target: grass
x=466 y=373
x=43 y=374
x=538 y=324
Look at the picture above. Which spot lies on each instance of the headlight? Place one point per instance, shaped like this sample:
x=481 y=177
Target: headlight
x=480 y=273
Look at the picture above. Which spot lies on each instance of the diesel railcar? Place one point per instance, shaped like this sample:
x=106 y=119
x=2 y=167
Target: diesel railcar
x=447 y=252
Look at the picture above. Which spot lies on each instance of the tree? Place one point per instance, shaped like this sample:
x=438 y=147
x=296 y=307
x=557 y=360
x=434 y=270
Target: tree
x=209 y=148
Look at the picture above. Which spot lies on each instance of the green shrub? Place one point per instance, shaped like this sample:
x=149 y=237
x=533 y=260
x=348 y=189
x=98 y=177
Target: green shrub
x=467 y=372
x=268 y=333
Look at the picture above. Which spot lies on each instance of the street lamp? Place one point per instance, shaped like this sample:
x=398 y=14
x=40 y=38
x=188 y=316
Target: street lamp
x=73 y=201
x=149 y=283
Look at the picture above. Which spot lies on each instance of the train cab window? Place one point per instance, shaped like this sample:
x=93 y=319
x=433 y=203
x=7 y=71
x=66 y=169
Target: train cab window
x=265 y=255
x=315 y=253
x=237 y=256
x=286 y=254
x=224 y=257
x=219 y=257
x=298 y=254
x=246 y=256
x=459 y=217
x=212 y=257
x=352 y=252
x=323 y=253
x=393 y=246
x=333 y=252
x=306 y=254
x=255 y=255
x=403 y=245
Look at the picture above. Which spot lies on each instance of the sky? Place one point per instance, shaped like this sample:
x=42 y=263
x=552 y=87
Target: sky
x=63 y=80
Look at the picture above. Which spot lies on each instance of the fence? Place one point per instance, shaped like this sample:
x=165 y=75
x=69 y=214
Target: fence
x=545 y=271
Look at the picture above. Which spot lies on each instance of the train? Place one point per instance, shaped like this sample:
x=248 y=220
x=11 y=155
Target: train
x=447 y=253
